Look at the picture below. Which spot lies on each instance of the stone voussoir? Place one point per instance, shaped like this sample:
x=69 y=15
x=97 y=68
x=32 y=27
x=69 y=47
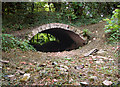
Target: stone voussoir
x=52 y=25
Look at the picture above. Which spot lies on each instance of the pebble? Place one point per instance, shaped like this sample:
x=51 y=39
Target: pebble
x=101 y=52
x=63 y=69
x=66 y=67
x=84 y=83
x=107 y=83
x=0 y=68
x=25 y=78
x=10 y=76
x=3 y=61
x=91 y=52
x=93 y=78
x=99 y=62
x=41 y=65
x=79 y=67
x=102 y=57
x=21 y=72
x=54 y=63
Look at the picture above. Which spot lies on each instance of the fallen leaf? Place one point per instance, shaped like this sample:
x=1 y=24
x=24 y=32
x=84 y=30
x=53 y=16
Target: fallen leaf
x=73 y=62
x=30 y=63
x=22 y=62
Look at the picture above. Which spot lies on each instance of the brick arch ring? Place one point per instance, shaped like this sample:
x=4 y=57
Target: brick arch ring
x=54 y=25
x=69 y=37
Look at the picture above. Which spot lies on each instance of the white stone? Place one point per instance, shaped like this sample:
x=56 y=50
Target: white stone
x=11 y=76
x=107 y=83
x=63 y=69
x=84 y=83
x=26 y=77
x=101 y=52
x=99 y=62
x=93 y=78
x=102 y=57
x=66 y=67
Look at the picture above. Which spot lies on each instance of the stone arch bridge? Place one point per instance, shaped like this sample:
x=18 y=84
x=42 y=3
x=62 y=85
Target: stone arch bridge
x=69 y=36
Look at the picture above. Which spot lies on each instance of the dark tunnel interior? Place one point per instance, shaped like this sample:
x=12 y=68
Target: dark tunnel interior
x=68 y=40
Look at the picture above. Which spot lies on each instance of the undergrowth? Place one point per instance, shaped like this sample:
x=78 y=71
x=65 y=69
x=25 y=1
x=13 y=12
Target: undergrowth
x=10 y=42
x=112 y=29
x=25 y=21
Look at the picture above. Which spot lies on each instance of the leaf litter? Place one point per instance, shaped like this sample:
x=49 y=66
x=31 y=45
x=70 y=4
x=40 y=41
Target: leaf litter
x=63 y=68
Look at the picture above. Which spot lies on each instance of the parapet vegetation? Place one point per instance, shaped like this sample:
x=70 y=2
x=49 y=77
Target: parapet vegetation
x=113 y=26
x=10 y=42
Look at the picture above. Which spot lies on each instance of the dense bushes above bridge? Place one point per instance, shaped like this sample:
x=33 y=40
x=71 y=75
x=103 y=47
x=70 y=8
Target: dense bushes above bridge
x=22 y=15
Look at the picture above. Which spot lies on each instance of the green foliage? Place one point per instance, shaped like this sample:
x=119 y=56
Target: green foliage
x=10 y=42
x=22 y=15
x=86 y=32
x=42 y=38
x=113 y=26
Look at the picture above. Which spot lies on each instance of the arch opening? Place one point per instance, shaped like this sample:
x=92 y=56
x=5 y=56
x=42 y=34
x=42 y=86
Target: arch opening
x=65 y=40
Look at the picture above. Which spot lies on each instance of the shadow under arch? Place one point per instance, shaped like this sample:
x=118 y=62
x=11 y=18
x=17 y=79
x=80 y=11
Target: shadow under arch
x=68 y=40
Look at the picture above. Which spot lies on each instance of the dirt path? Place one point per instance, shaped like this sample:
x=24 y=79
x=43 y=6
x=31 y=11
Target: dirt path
x=67 y=67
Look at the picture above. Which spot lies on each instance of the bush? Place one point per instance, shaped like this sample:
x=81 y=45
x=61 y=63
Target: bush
x=113 y=26
x=10 y=42
x=43 y=38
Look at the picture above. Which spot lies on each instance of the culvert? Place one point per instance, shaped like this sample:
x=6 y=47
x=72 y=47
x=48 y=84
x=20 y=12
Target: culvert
x=68 y=40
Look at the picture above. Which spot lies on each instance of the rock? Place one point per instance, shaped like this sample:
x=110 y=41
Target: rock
x=0 y=68
x=27 y=70
x=89 y=41
x=111 y=59
x=94 y=38
x=99 y=62
x=30 y=64
x=69 y=59
x=25 y=78
x=66 y=61
x=76 y=83
x=79 y=67
x=94 y=57
x=84 y=83
x=107 y=83
x=10 y=76
x=8 y=68
x=61 y=65
x=71 y=80
x=101 y=52
x=113 y=48
x=54 y=80
x=90 y=52
x=85 y=38
x=66 y=67
x=119 y=79
x=49 y=66
x=21 y=72
x=63 y=69
x=4 y=61
x=102 y=57
x=54 y=63
x=41 y=65
x=93 y=78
